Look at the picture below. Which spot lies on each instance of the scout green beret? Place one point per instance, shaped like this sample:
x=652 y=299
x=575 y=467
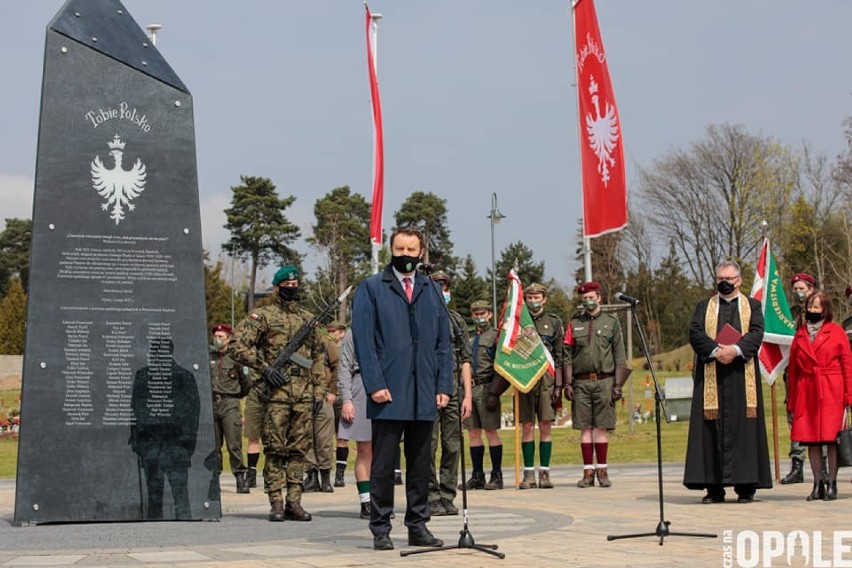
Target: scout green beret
x=288 y=272
x=481 y=305
x=441 y=276
x=536 y=287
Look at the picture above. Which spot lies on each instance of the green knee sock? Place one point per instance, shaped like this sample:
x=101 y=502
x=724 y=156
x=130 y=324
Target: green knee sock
x=545 y=449
x=528 y=448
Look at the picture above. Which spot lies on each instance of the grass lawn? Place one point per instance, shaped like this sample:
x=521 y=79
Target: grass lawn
x=625 y=446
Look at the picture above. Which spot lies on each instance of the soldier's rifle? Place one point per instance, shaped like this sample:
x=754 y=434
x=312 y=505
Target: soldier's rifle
x=276 y=375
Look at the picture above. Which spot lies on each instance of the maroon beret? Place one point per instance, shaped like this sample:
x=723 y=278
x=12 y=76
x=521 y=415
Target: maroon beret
x=803 y=277
x=589 y=287
x=222 y=327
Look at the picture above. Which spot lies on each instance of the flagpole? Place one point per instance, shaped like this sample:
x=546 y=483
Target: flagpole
x=378 y=145
x=773 y=393
x=587 y=241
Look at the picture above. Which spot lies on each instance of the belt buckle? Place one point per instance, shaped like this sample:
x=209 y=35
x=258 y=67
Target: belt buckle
x=593 y=376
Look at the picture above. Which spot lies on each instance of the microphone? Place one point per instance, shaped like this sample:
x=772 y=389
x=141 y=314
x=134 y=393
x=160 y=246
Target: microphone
x=425 y=268
x=627 y=299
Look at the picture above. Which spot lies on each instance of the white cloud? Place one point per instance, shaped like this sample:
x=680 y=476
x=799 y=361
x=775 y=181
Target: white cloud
x=16 y=195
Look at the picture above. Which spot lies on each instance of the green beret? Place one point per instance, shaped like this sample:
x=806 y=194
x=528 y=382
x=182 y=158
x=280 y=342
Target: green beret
x=536 y=287
x=481 y=305
x=288 y=272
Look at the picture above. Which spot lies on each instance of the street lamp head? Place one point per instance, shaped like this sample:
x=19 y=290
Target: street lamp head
x=375 y=17
x=152 y=32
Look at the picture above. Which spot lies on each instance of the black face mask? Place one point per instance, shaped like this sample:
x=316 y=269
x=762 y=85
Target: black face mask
x=724 y=287
x=813 y=317
x=405 y=264
x=288 y=294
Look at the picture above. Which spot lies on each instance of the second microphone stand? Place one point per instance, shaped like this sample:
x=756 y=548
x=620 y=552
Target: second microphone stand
x=662 y=529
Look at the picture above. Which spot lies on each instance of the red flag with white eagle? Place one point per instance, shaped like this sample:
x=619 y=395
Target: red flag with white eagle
x=378 y=144
x=779 y=327
x=601 y=144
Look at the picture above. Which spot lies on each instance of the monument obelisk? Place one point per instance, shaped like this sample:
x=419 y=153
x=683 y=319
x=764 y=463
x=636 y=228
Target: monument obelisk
x=116 y=417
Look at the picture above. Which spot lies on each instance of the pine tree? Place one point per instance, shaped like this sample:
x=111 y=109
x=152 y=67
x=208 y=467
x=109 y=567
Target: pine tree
x=259 y=228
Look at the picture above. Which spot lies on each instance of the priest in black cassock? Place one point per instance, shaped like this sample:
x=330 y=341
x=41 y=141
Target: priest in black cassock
x=727 y=443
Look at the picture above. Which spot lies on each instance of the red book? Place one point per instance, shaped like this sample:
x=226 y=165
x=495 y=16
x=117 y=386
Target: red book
x=728 y=335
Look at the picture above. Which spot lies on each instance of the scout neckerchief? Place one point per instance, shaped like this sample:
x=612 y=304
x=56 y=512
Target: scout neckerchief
x=711 y=394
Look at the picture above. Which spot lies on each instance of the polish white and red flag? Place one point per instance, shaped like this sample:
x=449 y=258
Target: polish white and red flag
x=779 y=327
x=601 y=143
x=378 y=145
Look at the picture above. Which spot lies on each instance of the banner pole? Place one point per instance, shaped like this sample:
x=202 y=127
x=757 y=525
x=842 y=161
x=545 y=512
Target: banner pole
x=516 y=403
x=775 y=431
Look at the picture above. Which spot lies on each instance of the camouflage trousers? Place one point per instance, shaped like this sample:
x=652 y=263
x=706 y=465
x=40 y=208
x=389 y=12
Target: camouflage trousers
x=287 y=433
x=444 y=477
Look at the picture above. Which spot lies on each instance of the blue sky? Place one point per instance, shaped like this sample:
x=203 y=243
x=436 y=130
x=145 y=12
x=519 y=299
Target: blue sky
x=477 y=98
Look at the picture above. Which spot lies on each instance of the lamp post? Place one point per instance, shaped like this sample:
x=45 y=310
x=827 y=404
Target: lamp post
x=495 y=217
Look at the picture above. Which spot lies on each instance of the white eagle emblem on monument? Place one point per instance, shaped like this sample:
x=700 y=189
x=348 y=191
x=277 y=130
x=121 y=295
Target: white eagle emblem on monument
x=117 y=185
x=602 y=132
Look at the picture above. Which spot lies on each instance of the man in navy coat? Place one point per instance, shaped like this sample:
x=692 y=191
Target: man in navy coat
x=402 y=344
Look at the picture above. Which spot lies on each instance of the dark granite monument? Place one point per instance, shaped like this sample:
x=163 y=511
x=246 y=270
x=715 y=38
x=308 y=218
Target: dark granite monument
x=116 y=417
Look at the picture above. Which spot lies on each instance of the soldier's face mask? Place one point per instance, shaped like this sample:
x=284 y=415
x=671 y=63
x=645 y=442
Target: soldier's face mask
x=447 y=296
x=590 y=304
x=219 y=343
x=288 y=294
x=534 y=307
x=801 y=295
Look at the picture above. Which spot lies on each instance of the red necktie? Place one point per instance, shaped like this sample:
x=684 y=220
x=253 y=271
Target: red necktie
x=409 y=291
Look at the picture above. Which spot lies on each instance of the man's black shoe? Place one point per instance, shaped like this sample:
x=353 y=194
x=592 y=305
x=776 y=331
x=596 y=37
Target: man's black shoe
x=423 y=538
x=382 y=541
x=745 y=499
x=713 y=498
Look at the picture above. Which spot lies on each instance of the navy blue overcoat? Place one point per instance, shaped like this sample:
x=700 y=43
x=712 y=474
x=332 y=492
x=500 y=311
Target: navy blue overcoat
x=401 y=346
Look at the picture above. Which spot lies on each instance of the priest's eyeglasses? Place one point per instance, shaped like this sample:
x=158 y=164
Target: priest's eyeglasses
x=730 y=279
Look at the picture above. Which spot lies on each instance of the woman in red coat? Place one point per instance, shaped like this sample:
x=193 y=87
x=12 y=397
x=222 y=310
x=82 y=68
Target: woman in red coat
x=819 y=388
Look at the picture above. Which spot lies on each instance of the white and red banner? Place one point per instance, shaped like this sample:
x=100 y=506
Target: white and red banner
x=601 y=144
x=779 y=327
x=378 y=144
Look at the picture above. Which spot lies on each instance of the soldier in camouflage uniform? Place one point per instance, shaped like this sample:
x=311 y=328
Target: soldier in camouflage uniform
x=540 y=401
x=287 y=426
x=229 y=384
x=482 y=349
x=447 y=429
x=595 y=369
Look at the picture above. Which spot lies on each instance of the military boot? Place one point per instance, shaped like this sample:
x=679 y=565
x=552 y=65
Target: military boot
x=476 y=481
x=293 y=512
x=242 y=482
x=325 y=483
x=496 y=481
x=588 y=479
x=796 y=474
x=338 y=475
x=311 y=481
x=276 y=512
x=529 y=480
x=544 y=479
x=251 y=477
x=603 y=478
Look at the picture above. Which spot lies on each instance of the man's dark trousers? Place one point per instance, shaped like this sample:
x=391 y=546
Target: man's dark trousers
x=386 y=438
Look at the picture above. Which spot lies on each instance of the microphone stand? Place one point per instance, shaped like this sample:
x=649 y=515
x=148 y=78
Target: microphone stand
x=662 y=529
x=465 y=537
